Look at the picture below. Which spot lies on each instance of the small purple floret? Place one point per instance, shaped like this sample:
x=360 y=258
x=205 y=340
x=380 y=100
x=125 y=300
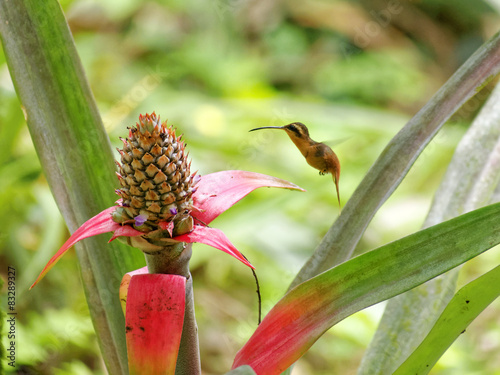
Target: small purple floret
x=173 y=211
x=196 y=179
x=140 y=219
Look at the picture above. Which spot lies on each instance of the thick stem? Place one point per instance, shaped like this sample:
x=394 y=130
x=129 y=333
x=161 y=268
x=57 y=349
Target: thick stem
x=188 y=361
x=174 y=260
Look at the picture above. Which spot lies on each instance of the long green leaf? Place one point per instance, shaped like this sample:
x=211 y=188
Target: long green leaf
x=476 y=165
x=464 y=307
x=390 y=168
x=74 y=151
x=311 y=308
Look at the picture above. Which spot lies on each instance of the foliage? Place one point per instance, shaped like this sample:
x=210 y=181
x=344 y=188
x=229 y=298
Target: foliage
x=217 y=70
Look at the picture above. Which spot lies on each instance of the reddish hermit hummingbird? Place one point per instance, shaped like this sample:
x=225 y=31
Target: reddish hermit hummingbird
x=317 y=154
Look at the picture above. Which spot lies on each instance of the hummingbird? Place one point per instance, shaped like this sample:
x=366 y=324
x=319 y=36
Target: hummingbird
x=317 y=154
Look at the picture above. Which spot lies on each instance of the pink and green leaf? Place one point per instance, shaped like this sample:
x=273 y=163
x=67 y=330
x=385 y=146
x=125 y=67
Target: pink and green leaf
x=101 y=223
x=154 y=320
x=216 y=192
x=314 y=306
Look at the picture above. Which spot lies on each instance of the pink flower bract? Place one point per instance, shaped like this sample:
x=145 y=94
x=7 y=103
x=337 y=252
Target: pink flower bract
x=215 y=193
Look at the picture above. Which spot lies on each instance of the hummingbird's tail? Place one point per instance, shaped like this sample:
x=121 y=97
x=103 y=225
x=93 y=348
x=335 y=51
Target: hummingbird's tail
x=336 y=177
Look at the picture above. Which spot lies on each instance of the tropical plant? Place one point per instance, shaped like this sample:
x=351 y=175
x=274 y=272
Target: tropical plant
x=64 y=121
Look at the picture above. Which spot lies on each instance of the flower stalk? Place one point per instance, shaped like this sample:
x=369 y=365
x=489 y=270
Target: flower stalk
x=172 y=259
x=188 y=361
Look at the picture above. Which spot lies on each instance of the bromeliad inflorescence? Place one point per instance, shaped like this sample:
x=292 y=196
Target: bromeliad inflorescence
x=156 y=184
x=161 y=202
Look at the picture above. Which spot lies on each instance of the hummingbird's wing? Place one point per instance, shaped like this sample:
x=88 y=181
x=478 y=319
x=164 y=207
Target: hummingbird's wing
x=336 y=141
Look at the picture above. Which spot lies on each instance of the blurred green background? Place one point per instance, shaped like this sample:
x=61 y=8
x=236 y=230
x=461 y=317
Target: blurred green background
x=353 y=71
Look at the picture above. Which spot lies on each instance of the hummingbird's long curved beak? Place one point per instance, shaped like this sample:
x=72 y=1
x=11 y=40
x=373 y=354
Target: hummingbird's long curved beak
x=267 y=127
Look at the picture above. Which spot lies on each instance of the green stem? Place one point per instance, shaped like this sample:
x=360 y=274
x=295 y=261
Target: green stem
x=172 y=260
x=188 y=361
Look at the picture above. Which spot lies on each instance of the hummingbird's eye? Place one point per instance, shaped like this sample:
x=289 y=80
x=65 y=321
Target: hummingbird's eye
x=295 y=129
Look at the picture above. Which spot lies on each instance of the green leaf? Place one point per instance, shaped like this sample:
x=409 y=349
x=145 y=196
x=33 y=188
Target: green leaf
x=311 y=308
x=74 y=151
x=476 y=165
x=397 y=158
x=464 y=307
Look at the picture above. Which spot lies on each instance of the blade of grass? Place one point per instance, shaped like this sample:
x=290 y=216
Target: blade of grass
x=314 y=306
x=390 y=168
x=464 y=307
x=74 y=151
x=476 y=166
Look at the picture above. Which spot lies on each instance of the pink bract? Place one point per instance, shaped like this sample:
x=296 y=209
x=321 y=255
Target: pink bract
x=153 y=322
x=215 y=193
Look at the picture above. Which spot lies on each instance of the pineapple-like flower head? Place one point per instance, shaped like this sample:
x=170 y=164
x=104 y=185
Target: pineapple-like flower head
x=161 y=203
x=156 y=183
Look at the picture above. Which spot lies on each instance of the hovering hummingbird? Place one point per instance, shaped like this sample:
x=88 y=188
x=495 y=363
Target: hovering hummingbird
x=317 y=154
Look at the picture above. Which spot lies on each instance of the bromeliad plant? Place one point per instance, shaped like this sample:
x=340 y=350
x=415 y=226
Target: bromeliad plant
x=162 y=207
x=62 y=117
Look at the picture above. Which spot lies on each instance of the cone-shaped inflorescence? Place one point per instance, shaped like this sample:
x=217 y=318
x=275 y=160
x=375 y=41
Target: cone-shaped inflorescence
x=156 y=182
